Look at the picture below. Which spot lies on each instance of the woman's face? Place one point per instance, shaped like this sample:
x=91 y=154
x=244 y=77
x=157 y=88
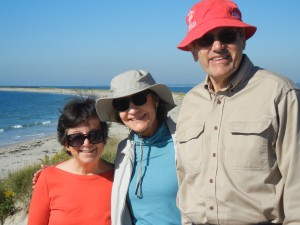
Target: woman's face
x=87 y=153
x=142 y=119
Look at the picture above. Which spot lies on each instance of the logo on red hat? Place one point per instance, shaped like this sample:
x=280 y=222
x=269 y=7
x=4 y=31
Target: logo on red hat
x=189 y=20
x=235 y=13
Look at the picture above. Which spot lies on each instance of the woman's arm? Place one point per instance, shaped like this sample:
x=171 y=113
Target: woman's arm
x=39 y=210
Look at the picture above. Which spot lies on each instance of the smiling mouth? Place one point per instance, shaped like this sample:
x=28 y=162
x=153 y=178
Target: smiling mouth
x=227 y=57
x=138 y=118
x=86 y=151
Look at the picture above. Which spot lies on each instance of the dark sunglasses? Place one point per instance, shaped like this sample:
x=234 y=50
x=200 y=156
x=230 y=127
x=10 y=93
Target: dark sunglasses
x=77 y=140
x=226 y=36
x=122 y=104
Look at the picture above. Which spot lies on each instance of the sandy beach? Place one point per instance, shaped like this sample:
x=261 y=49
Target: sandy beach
x=17 y=156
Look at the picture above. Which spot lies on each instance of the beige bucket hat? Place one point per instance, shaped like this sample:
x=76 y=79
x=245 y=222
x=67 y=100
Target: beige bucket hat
x=129 y=83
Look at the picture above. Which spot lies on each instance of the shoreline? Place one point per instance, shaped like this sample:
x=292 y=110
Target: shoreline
x=55 y=90
x=19 y=155
x=16 y=156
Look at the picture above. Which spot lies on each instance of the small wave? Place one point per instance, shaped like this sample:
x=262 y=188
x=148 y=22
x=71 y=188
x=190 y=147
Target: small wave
x=33 y=124
x=35 y=135
x=1 y=130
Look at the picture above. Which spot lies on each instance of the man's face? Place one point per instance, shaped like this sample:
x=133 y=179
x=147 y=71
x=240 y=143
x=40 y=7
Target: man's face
x=219 y=52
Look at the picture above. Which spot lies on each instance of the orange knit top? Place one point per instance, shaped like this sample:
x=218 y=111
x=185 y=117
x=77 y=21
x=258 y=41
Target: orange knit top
x=60 y=197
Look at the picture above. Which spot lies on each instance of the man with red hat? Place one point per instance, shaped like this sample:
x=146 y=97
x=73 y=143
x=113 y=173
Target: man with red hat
x=238 y=132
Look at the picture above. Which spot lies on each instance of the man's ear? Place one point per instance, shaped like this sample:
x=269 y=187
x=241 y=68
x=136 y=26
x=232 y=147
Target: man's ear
x=195 y=56
x=243 y=38
x=194 y=52
x=244 y=44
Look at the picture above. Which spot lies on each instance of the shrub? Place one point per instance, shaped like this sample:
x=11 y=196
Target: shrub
x=7 y=205
x=110 y=150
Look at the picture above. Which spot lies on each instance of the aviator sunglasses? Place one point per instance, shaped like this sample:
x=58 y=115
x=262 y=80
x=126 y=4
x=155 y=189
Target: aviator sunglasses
x=226 y=36
x=122 y=104
x=77 y=140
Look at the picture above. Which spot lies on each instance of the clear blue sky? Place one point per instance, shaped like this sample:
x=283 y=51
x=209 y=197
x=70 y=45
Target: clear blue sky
x=87 y=42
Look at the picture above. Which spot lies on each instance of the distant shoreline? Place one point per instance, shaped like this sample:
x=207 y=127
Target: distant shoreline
x=54 y=90
x=184 y=88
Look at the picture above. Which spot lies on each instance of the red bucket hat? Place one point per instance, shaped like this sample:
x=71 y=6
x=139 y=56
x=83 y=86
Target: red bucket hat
x=207 y=15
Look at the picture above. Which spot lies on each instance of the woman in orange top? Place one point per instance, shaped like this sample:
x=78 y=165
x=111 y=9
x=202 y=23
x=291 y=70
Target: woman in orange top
x=78 y=190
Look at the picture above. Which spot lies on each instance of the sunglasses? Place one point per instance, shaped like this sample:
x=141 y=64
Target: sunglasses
x=77 y=140
x=122 y=104
x=226 y=36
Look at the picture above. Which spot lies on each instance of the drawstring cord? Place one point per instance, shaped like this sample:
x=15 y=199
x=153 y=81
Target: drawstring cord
x=138 y=187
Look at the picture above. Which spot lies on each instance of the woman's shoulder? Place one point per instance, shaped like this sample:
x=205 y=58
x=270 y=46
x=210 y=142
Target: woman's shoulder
x=51 y=172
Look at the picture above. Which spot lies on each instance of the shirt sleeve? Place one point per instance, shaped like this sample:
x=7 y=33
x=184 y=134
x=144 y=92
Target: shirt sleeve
x=288 y=154
x=39 y=210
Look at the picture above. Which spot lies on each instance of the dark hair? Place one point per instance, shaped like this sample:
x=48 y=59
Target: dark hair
x=161 y=111
x=76 y=111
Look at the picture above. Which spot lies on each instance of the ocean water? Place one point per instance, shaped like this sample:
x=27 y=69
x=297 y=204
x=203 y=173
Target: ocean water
x=27 y=116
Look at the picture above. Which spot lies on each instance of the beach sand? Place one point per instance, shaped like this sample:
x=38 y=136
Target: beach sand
x=17 y=156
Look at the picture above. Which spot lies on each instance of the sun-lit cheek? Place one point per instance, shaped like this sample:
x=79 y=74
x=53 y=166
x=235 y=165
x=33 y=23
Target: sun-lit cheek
x=122 y=116
x=236 y=60
x=203 y=59
x=101 y=146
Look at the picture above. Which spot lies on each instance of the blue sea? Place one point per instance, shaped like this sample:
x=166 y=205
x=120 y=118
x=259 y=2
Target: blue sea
x=27 y=116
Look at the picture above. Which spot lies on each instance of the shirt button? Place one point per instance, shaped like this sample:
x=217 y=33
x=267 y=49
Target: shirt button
x=211 y=207
x=216 y=127
x=218 y=102
x=214 y=154
x=211 y=180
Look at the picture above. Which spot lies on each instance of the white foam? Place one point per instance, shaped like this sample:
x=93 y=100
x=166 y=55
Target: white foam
x=35 y=135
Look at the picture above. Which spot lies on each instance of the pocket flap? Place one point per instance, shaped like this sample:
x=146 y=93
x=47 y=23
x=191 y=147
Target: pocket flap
x=249 y=127
x=187 y=134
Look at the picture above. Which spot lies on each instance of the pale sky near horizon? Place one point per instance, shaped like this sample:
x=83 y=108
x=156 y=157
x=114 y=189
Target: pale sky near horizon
x=87 y=43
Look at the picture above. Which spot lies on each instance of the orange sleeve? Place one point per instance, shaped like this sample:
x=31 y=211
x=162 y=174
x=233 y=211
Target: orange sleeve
x=39 y=210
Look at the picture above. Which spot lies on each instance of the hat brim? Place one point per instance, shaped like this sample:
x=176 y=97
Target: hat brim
x=201 y=30
x=107 y=113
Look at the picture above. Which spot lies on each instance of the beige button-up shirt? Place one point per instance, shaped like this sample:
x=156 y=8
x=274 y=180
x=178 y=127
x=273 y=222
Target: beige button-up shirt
x=238 y=157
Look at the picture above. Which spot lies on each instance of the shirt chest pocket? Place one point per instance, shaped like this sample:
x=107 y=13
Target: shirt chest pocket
x=248 y=144
x=190 y=152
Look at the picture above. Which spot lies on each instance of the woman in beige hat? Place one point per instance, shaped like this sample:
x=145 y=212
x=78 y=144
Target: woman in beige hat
x=145 y=174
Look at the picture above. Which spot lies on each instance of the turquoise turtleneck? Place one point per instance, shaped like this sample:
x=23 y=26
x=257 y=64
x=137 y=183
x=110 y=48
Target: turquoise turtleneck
x=152 y=193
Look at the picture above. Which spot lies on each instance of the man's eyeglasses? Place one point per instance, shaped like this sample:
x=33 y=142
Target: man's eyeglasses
x=122 y=104
x=77 y=140
x=226 y=36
